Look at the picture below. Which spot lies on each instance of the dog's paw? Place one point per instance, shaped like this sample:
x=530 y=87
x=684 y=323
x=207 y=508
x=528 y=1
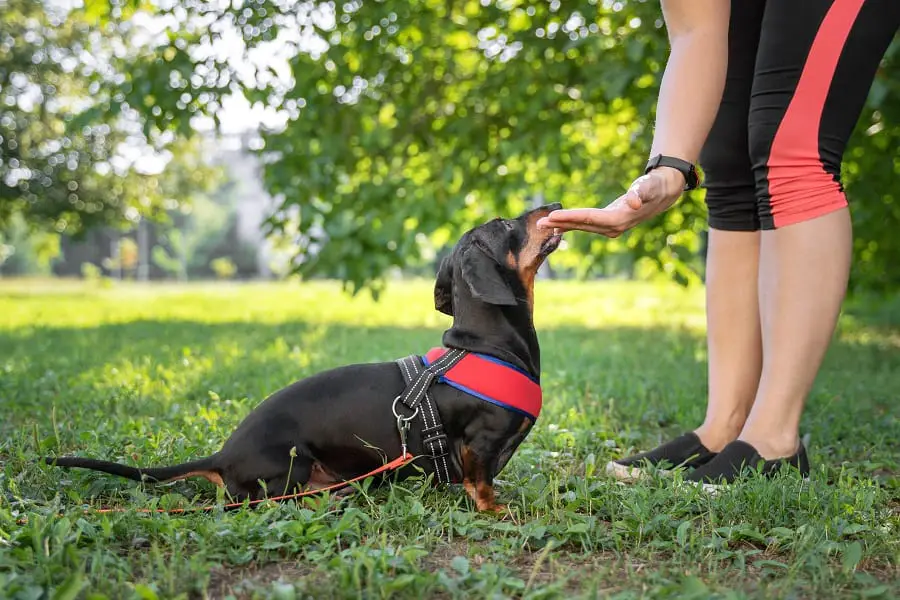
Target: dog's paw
x=497 y=509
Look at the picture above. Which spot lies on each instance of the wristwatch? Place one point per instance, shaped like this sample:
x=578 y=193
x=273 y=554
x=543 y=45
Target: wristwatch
x=691 y=179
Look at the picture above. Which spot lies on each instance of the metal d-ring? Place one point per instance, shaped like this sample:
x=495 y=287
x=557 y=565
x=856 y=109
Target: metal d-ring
x=400 y=417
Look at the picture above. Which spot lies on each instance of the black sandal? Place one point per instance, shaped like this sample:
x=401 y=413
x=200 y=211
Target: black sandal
x=685 y=451
x=738 y=457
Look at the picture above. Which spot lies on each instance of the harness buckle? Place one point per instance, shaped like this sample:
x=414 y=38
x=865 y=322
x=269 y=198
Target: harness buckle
x=437 y=441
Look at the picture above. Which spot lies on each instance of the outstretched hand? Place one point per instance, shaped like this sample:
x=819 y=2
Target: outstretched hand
x=648 y=196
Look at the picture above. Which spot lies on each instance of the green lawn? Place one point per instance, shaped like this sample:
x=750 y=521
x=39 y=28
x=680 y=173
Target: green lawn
x=161 y=374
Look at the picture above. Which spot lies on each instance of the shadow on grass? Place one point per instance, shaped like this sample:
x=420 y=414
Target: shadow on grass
x=171 y=388
x=880 y=312
x=239 y=358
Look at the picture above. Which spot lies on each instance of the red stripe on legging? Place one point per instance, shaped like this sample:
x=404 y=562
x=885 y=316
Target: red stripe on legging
x=799 y=187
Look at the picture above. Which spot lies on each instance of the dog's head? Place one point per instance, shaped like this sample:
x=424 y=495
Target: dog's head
x=496 y=263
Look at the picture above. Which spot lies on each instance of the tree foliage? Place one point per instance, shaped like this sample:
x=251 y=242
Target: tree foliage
x=61 y=162
x=410 y=121
x=871 y=172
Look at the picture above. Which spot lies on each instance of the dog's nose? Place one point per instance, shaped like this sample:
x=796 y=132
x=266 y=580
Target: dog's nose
x=553 y=206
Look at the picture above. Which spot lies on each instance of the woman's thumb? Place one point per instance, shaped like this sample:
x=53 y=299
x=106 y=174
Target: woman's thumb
x=633 y=200
x=638 y=193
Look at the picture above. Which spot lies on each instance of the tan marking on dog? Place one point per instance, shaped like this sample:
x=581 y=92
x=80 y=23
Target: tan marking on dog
x=211 y=476
x=468 y=468
x=485 y=499
x=481 y=492
x=526 y=423
x=320 y=477
x=468 y=462
x=530 y=260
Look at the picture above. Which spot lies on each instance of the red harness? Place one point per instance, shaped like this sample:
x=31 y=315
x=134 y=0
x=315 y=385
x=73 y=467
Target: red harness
x=492 y=380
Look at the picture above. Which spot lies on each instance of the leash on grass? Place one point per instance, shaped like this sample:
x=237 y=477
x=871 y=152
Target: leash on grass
x=419 y=379
x=401 y=461
x=395 y=464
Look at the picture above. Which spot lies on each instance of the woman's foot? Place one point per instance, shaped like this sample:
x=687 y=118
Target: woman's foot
x=738 y=457
x=685 y=451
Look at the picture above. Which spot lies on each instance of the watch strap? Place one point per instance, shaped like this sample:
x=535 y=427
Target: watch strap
x=691 y=179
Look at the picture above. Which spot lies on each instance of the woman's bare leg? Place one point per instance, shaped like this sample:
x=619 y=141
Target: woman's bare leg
x=733 y=334
x=802 y=281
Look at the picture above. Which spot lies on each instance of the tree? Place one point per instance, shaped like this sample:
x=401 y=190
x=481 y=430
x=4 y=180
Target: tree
x=63 y=163
x=870 y=173
x=410 y=121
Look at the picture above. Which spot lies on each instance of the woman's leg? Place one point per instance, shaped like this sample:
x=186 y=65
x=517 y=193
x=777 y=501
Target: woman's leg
x=801 y=287
x=733 y=329
x=816 y=63
x=806 y=251
x=733 y=335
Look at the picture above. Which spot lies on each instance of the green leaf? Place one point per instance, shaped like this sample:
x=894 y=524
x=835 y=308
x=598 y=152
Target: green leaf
x=283 y=591
x=874 y=592
x=145 y=592
x=770 y=563
x=70 y=587
x=681 y=535
x=460 y=564
x=851 y=556
x=578 y=528
x=693 y=587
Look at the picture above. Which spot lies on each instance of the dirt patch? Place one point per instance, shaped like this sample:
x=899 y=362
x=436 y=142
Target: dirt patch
x=536 y=568
x=542 y=567
x=241 y=582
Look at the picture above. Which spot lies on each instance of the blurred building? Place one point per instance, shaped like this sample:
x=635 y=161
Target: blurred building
x=241 y=238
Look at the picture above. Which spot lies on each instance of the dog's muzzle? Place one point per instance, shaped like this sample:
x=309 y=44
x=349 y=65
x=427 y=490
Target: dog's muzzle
x=551 y=243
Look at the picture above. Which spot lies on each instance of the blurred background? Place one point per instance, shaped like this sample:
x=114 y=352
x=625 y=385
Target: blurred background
x=355 y=140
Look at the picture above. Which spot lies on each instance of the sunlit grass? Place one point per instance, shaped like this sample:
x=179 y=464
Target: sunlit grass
x=404 y=304
x=162 y=373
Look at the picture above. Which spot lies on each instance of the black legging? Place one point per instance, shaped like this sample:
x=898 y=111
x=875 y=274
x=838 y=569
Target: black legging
x=799 y=72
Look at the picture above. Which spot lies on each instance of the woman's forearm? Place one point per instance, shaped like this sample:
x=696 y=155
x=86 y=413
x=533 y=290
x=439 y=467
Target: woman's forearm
x=694 y=76
x=689 y=99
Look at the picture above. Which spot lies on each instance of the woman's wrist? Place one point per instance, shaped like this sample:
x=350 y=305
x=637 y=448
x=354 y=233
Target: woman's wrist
x=672 y=178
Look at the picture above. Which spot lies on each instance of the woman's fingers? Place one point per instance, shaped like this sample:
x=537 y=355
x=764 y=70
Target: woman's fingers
x=572 y=217
x=575 y=218
x=610 y=221
x=649 y=195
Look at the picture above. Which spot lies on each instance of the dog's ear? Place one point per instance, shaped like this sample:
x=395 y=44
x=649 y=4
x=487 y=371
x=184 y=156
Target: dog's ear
x=480 y=273
x=443 y=287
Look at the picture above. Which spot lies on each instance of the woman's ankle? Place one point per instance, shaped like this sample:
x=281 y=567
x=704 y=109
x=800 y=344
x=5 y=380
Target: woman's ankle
x=716 y=437
x=772 y=446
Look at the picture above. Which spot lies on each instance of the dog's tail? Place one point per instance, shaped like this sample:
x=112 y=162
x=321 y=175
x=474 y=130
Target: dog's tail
x=204 y=467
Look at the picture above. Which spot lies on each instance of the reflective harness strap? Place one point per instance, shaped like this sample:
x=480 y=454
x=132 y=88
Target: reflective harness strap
x=416 y=397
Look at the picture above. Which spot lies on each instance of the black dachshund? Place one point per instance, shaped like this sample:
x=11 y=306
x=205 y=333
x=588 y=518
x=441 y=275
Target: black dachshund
x=341 y=423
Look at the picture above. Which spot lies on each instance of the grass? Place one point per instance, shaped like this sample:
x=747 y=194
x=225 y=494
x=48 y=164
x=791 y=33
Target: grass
x=163 y=373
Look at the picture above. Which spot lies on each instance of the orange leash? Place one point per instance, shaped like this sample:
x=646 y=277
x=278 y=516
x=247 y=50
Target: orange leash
x=395 y=464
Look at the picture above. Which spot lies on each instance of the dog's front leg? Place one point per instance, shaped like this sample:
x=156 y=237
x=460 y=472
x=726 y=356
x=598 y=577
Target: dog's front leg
x=478 y=476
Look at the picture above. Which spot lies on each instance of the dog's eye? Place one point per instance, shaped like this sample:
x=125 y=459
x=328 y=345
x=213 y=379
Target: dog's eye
x=508 y=225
